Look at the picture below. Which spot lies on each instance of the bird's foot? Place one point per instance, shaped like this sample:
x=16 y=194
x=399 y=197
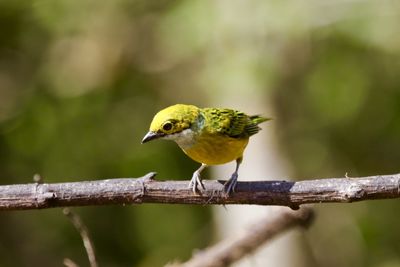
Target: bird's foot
x=196 y=180
x=230 y=185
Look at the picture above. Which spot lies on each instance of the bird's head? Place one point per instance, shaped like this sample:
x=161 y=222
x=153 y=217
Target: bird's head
x=171 y=121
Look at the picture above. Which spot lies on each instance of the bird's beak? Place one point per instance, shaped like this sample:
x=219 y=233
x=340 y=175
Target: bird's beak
x=151 y=136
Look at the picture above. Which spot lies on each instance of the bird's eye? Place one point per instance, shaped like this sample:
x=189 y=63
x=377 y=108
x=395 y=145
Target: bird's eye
x=167 y=126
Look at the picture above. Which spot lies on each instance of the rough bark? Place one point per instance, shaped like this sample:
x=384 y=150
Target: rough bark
x=148 y=190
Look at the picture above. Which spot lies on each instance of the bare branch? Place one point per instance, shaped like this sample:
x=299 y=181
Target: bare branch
x=148 y=190
x=232 y=249
x=83 y=231
x=69 y=263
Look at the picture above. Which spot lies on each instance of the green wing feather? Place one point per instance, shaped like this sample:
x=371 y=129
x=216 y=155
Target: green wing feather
x=232 y=123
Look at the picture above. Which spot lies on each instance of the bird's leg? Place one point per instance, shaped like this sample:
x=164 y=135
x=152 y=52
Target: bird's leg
x=196 y=179
x=230 y=185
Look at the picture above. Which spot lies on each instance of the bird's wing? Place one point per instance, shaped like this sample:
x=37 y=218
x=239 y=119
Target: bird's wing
x=228 y=122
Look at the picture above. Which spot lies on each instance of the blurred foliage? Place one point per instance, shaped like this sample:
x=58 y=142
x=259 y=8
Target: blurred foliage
x=80 y=81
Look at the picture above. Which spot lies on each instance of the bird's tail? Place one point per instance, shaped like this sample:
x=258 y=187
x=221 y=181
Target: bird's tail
x=257 y=119
x=252 y=127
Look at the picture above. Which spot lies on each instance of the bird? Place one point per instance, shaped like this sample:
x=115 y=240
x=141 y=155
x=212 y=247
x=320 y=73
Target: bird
x=210 y=136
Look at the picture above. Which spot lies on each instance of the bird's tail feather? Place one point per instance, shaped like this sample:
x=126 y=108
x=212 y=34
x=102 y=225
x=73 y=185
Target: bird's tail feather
x=253 y=128
x=257 y=119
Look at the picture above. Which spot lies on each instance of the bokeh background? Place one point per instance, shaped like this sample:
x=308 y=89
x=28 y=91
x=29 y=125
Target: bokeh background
x=81 y=80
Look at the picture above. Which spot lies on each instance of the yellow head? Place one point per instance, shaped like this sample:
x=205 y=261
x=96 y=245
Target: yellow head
x=171 y=120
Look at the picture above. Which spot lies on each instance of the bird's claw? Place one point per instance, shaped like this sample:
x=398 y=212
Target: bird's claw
x=196 y=180
x=230 y=185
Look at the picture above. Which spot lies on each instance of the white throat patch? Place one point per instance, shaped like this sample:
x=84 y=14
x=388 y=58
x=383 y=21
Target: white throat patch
x=184 y=139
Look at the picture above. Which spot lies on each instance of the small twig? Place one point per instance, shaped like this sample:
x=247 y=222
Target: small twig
x=83 y=231
x=69 y=263
x=232 y=249
x=37 y=178
x=148 y=190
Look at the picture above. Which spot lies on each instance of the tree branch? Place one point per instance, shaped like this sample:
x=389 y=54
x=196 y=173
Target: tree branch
x=148 y=190
x=249 y=239
x=84 y=232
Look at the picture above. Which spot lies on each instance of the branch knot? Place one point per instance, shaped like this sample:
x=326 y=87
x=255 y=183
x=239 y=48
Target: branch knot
x=43 y=195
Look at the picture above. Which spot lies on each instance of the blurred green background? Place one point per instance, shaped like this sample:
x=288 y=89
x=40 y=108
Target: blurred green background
x=81 y=80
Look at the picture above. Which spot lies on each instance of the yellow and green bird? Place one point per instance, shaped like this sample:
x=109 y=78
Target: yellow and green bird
x=210 y=136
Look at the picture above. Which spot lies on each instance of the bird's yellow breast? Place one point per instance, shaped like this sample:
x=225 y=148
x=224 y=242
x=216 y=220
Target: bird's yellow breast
x=216 y=149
